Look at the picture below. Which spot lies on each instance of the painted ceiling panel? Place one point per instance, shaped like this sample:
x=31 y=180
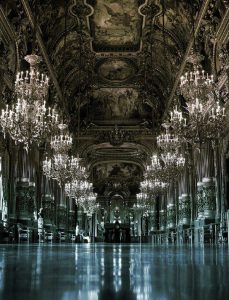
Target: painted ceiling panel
x=116 y=25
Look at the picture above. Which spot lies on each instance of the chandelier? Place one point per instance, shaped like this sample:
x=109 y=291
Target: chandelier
x=61 y=143
x=155 y=169
x=28 y=123
x=173 y=164
x=90 y=205
x=153 y=187
x=63 y=168
x=31 y=85
x=29 y=120
x=168 y=141
x=196 y=83
x=144 y=202
x=203 y=122
x=78 y=189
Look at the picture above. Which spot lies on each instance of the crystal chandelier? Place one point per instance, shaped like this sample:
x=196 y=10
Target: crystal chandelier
x=31 y=85
x=28 y=123
x=61 y=143
x=153 y=187
x=63 y=168
x=29 y=120
x=217 y=125
x=173 y=164
x=154 y=169
x=196 y=83
x=90 y=205
x=203 y=122
x=78 y=189
x=168 y=141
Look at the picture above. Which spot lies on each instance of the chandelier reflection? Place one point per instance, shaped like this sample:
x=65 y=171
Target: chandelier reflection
x=29 y=120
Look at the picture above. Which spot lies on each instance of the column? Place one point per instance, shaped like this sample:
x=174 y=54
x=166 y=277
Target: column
x=162 y=213
x=62 y=210
x=171 y=210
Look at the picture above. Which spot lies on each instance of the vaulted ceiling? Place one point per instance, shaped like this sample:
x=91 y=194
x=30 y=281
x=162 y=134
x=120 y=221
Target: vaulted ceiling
x=114 y=67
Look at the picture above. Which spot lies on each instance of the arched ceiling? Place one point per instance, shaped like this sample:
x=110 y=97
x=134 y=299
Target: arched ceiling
x=118 y=62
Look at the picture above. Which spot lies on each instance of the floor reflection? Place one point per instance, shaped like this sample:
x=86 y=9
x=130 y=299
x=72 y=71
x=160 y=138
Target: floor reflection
x=113 y=271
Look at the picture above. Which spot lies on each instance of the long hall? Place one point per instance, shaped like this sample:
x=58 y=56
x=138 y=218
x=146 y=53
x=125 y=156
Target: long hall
x=114 y=153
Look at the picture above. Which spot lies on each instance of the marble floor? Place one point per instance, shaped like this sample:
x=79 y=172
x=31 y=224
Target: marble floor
x=113 y=272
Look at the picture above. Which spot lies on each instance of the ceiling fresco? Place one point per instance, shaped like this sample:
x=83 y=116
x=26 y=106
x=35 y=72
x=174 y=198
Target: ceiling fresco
x=118 y=104
x=115 y=25
x=117 y=169
x=116 y=70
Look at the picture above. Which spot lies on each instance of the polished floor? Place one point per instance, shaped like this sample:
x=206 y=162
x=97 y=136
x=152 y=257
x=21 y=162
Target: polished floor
x=113 y=272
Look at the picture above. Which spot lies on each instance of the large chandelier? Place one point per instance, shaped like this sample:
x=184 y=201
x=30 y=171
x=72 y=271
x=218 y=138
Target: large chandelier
x=31 y=85
x=29 y=120
x=63 y=168
x=203 y=122
x=196 y=83
x=28 y=123
x=78 y=189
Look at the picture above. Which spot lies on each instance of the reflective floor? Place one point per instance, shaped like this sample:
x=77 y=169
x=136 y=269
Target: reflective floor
x=113 y=272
